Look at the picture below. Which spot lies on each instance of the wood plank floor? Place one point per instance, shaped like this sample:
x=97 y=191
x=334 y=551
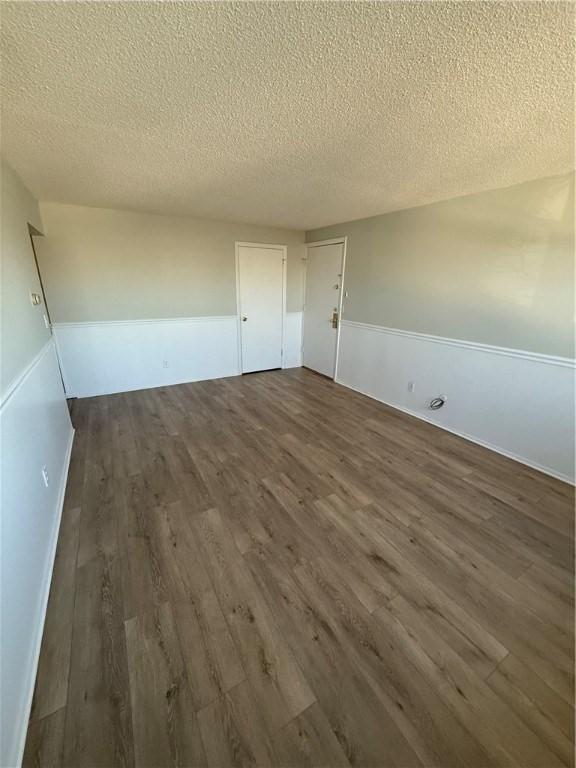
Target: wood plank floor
x=273 y=570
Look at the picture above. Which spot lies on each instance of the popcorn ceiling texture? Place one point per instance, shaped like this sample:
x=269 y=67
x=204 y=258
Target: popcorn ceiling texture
x=287 y=114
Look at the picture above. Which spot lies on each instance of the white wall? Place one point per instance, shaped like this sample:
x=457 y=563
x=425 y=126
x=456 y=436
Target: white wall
x=35 y=432
x=101 y=358
x=515 y=402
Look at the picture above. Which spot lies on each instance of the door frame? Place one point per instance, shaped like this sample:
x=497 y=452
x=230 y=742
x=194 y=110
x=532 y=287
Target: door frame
x=332 y=241
x=278 y=247
x=32 y=233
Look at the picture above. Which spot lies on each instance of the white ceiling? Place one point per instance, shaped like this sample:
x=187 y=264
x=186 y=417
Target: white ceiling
x=290 y=114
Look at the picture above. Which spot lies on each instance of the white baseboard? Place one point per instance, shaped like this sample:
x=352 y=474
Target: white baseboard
x=36 y=434
x=483 y=443
x=516 y=403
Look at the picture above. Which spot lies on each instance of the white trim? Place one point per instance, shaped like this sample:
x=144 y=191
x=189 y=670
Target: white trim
x=238 y=313
x=466 y=436
x=45 y=595
x=537 y=357
x=273 y=246
x=18 y=380
x=284 y=281
x=332 y=241
x=241 y=243
x=340 y=305
x=179 y=320
x=292 y=357
x=163 y=385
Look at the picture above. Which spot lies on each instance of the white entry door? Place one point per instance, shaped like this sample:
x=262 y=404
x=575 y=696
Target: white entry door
x=322 y=307
x=261 y=291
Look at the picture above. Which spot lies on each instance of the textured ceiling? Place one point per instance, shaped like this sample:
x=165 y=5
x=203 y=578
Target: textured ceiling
x=289 y=114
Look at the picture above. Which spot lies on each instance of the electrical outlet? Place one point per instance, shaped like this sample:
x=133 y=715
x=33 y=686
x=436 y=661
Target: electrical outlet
x=410 y=386
x=45 y=477
x=164 y=363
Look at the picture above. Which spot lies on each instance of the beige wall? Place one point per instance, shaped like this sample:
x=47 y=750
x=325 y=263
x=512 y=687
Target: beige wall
x=496 y=267
x=23 y=331
x=103 y=264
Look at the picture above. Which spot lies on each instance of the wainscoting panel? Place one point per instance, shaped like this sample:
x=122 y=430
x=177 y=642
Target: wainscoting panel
x=106 y=357
x=517 y=403
x=36 y=434
x=292 y=340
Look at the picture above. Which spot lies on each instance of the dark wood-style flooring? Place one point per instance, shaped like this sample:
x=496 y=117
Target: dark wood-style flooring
x=273 y=570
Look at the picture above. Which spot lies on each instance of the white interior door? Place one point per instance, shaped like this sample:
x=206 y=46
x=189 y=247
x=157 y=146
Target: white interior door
x=323 y=287
x=261 y=305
